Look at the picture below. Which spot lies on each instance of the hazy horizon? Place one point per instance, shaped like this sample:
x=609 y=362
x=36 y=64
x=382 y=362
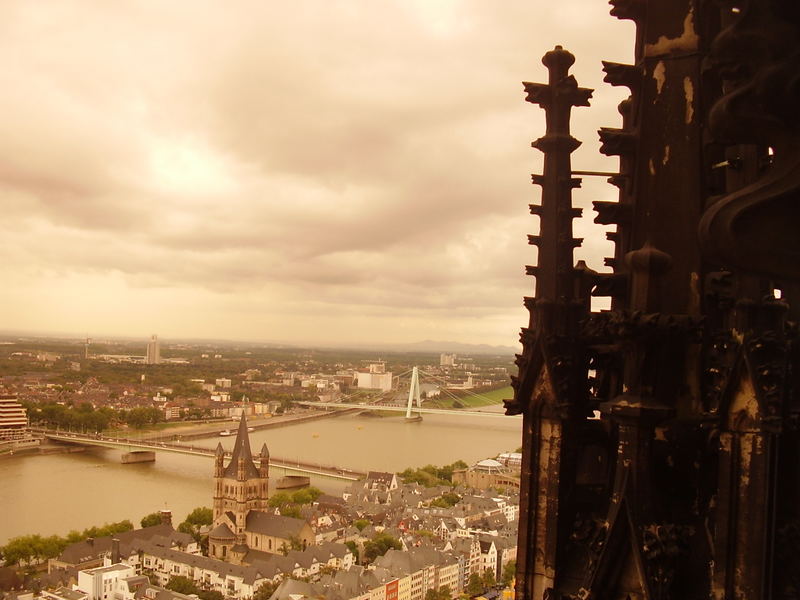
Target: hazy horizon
x=344 y=172
x=422 y=346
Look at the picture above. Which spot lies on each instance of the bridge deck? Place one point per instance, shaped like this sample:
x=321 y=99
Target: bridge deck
x=178 y=448
x=402 y=408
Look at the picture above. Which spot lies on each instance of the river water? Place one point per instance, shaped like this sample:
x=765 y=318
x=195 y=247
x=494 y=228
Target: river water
x=52 y=494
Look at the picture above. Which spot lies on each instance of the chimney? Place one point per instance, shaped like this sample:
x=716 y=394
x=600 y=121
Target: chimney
x=166 y=517
x=114 y=551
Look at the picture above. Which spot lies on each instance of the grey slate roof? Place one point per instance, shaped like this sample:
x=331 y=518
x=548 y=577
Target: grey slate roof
x=159 y=593
x=221 y=531
x=290 y=589
x=400 y=563
x=163 y=533
x=69 y=594
x=274 y=525
x=248 y=574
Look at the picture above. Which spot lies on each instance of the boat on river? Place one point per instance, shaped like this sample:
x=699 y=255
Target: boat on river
x=225 y=433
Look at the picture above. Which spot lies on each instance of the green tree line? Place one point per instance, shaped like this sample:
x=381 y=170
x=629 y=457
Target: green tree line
x=184 y=585
x=289 y=503
x=84 y=417
x=35 y=548
x=431 y=475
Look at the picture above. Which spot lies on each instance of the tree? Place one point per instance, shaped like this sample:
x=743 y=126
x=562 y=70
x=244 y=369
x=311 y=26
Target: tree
x=289 y=504
x=447 y=500
x=181 y=584
x=509 y=572
x=306 y=495
x=201 y=515
x=19 y=549
x=474 y=585
x=489 y=579
x=442 y=593
x=380 y=545
x=290 y=510
x=141 y=416
x=108 y=529
x=265 y=590
x=279 y=499
x=187 y=527
x=360 y=524
x=431 y=475
x=351 y=545
x=153 y=518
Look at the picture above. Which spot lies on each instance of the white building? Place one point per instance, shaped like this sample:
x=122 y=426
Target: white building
x=153 y=356
x=375 y=377
x=13 y=419
x=102 y=583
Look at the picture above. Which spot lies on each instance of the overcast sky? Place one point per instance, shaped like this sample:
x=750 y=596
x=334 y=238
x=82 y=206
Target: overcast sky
x=314 y=171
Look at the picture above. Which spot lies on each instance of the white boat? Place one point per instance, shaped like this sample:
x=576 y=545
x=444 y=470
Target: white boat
x=225 y=432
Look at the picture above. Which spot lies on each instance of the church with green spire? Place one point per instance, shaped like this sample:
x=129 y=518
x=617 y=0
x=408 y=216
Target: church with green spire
x=244 y=525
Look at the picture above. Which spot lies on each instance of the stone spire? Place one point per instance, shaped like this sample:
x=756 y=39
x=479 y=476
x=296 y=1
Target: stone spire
x=242 y=455
x=219 y=455
x=263 y=461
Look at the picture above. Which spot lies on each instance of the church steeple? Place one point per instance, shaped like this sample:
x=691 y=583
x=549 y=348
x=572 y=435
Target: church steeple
x=242 y=466
x=219 y=456
x=240 y=488
x=263 y=461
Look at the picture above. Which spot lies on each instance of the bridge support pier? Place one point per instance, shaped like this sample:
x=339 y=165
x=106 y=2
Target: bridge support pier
x=138 y=456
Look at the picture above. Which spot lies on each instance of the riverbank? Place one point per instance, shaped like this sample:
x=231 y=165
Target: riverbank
x=193 y=431
x=473 y=400
x=98 y=488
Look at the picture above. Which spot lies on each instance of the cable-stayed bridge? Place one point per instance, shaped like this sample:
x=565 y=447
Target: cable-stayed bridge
x=413 y=407
x=404 y=408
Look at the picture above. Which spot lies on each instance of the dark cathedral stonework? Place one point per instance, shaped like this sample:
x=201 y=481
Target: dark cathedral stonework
x=688 y=486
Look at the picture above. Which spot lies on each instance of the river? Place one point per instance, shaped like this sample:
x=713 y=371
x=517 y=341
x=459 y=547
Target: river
x=52 y=494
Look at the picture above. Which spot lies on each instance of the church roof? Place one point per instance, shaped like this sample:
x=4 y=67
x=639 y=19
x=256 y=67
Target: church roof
x=221 y=531
x=274 y=525
x=241 y=449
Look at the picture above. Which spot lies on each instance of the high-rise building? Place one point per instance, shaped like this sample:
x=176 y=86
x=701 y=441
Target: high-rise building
x=447 y=360
x=153 y=356
x=13 y=419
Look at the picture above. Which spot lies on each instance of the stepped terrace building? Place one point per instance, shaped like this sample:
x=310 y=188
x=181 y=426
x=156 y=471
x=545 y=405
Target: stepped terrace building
x=13 y=419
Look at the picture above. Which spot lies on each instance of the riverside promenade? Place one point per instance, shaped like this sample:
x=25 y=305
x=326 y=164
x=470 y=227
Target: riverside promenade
x=257 y=423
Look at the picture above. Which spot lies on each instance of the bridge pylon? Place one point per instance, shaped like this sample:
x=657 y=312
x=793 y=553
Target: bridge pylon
x=413 y=394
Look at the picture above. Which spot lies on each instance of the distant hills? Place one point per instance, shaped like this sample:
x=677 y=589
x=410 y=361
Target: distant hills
x=423 y=347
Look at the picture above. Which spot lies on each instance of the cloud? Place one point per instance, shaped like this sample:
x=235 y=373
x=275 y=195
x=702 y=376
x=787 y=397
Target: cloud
x=312 y=159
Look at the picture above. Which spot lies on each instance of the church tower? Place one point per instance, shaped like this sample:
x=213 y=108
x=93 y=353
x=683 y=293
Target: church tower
x=239 y=487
